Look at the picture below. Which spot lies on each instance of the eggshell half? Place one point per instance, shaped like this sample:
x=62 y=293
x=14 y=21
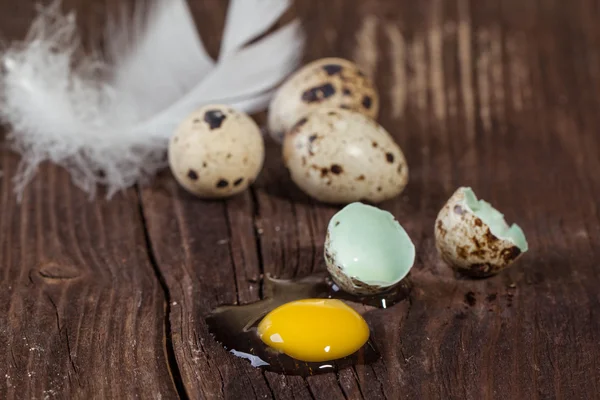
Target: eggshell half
x=366 y=250
x=467 y=244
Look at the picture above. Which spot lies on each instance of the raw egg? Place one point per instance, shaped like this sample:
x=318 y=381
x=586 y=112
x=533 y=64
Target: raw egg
x=314 y=330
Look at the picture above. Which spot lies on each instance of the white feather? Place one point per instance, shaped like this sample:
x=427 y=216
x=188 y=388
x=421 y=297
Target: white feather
x=251 y=18
x=114 y=131
x=240 y=78
x=158 y=51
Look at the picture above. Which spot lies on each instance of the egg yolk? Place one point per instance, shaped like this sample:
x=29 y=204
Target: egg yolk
x=314 y=330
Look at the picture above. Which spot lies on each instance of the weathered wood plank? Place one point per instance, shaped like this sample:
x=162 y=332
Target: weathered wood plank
x=81 y=311
x=498 y=95
x=472 y=92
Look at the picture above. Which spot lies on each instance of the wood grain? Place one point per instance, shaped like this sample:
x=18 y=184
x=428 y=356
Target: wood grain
x=497 y=95
x=81 y=312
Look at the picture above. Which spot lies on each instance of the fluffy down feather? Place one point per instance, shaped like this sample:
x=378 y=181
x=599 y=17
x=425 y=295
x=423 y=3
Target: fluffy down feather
x=114 y=131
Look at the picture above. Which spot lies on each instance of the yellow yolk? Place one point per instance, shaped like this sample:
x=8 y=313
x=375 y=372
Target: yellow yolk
x=314 y=330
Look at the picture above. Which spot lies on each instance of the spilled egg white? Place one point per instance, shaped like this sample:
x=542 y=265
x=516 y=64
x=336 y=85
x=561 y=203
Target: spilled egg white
x=216 y=152
x=328 y=82
x=366 y=250
x=473 y=237
x=341 y=156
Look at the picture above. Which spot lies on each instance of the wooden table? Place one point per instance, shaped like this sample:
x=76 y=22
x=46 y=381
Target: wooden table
x=106 y=299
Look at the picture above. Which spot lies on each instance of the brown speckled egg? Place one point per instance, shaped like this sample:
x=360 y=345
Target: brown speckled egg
x=473 y=237
x=341 y=156
x=216 y=152
x=329 y=82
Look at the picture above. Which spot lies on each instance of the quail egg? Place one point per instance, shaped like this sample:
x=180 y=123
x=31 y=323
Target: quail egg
x=473 y=237
x=366 y=250
x=216 y=152
x=341 y=156
x=332 y=82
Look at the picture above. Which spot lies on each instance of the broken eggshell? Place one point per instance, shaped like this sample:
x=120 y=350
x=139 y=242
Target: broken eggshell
x=366 y=250
x=473 y=237
x=216 y=152
x=328 y=82
x=341 y=156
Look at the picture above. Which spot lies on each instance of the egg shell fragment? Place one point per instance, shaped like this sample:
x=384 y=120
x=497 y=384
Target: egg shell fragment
x=314 y=330
x=341 y=156
x=367 y=251
x=328 y=82
x=467 y=243
x=216 y=152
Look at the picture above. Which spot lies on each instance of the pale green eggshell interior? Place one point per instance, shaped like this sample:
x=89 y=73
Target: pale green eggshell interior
x=369 y=244
x=495 y=220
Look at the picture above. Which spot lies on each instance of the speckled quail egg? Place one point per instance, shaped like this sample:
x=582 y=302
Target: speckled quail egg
x=366 y=250
x=341 y=156
x=473 y=237
x=331 y=82
x=216 y=152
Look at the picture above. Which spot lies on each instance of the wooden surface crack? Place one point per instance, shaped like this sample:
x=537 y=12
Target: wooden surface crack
x=14 y=360
x=71 y=361
x=230 y=245
x=257 y=239
x=273 y=396
x=172 y=365
x=55 y=313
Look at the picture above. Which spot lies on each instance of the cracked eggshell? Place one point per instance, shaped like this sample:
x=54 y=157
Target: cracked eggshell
x=341 y=156
x=473 y=238
x=328 y=82
x=366 y=250
x=216 y=152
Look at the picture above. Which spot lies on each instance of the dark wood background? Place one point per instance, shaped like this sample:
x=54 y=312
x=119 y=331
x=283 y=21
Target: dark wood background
x=106 y=299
